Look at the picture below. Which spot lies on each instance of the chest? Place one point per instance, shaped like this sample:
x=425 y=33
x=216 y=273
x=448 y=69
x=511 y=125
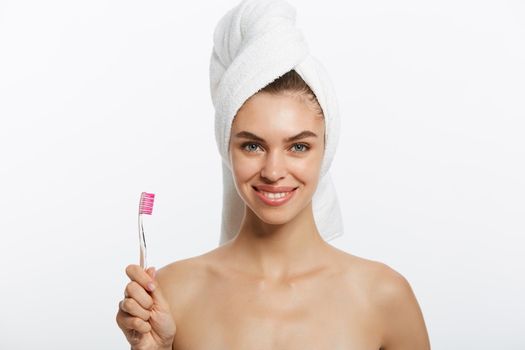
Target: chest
x=256 y=315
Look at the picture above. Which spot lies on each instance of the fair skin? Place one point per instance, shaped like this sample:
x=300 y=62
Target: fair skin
x=277 y=284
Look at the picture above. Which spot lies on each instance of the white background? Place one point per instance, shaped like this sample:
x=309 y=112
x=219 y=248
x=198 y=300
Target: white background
x=101 y=100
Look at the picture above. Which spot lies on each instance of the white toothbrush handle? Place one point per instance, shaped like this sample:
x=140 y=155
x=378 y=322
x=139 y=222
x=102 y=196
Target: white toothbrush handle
x=142 y=239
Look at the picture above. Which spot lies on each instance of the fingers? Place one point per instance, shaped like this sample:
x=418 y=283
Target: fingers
x=129 y=324
x=135 y=291
x=134 y=337
x=146 y=279
x=156 y=294
x=151 y=271
x=143 y=300
x=137 y=274
x=131 y=307
x=134 y=311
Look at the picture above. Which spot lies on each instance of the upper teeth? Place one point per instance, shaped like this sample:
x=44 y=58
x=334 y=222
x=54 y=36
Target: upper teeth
x=274 y=195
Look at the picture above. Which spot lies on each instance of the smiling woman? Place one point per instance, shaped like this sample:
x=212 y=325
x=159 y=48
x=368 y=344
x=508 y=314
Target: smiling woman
x=275 y=283
x=266 y=154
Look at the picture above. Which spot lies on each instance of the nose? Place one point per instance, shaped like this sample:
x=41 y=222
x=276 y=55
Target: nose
x=274 y=167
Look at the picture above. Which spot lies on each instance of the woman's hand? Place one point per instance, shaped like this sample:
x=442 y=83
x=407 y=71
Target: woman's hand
x=144 y=315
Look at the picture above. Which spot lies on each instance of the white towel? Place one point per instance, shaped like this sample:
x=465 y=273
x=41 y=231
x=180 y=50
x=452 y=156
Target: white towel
x=255 y=43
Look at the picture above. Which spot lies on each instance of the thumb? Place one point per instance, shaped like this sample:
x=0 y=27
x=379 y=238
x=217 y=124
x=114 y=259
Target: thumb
x=151 y=271
x=156 y=294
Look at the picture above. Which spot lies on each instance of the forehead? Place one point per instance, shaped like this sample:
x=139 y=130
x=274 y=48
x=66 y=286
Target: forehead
x=284 y=113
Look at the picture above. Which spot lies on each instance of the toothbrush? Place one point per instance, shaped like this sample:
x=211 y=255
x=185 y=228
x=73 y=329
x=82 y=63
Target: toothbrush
x=145 y=207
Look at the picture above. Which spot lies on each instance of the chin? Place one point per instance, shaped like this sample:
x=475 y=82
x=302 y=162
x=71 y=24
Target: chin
x=272 y=215
x=274 y=218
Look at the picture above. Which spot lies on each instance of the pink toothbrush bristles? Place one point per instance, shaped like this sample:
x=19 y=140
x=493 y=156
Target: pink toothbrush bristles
x=146 y=203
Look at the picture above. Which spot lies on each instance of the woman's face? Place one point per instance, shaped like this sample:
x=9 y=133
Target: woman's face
x=276 y=140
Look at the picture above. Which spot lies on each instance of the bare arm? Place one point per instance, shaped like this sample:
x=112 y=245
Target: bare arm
x=403 y=324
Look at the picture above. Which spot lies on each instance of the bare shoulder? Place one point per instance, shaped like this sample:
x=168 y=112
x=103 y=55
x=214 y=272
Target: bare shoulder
x=187 y=271
x=389 y=290
x=385 y=285
x=403 y=322
x=191 y=272
x=390 y=296
x=181 y=280
x=371 y=275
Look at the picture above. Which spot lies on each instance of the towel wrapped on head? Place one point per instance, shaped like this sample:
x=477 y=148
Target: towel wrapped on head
x=255 y=43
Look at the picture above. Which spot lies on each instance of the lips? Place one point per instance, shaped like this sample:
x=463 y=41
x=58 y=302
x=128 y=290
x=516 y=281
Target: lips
x=274 y=196
x=274 y=189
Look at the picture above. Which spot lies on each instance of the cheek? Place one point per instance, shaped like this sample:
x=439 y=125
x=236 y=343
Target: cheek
x=306 y=168
x=243 y=167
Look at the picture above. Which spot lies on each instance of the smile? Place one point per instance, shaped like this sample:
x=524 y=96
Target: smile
x=274 y=199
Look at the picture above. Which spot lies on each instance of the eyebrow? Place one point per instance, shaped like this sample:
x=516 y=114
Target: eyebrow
x=303 y=134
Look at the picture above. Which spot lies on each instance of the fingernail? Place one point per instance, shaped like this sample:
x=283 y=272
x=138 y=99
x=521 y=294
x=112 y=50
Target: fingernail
x=151 y=286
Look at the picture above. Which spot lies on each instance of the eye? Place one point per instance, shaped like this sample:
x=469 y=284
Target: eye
x=250 y=146
x=253 y=146
x=302 y=147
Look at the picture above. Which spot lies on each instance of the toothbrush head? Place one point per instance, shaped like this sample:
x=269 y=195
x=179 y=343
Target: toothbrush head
x=146 y=203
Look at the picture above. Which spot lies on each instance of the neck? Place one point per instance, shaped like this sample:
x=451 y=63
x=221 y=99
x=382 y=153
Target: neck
x=278 y=251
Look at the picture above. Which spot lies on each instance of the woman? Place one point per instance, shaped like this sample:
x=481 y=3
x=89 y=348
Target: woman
x=277 y=284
